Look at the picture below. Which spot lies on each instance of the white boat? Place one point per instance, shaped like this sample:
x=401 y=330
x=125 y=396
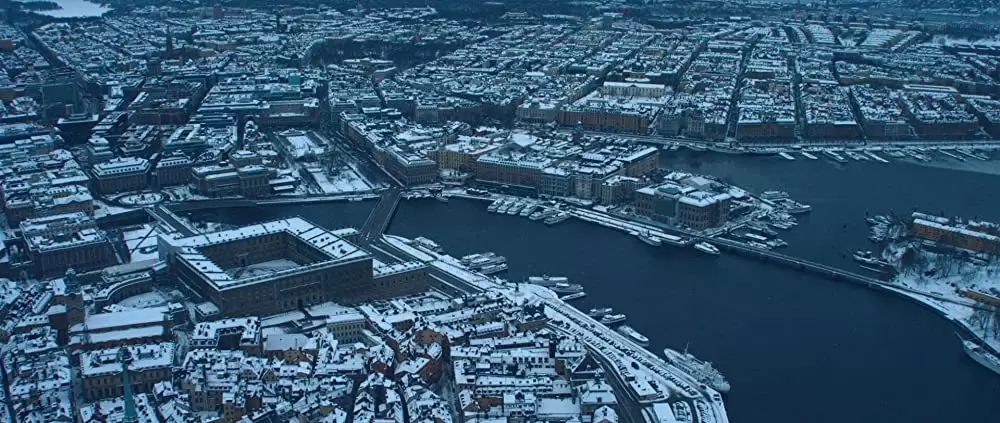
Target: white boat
x=441 y=198
x=612 y=319
x=773 y=195
x=600 y=312
x=494 y=206
x=573 y=296
x=538 y=215
x=809 y=155
x=703 y=371
x=707 y=248
x=515 y=209
x=525 y=212
x=633 y=335
x=833 y=155
x=493 y=268
x=786 y=156
x=547 y=281
x=428 y=244
x=566 y=288
x=876 y=157
x=650 y=239
x=552 y=220
x=982 y=356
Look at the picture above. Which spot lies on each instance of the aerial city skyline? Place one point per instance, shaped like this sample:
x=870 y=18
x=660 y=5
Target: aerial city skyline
x=499 y=212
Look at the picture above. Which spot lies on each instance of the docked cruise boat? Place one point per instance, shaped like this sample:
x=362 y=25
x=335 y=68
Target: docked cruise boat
x=703 y=371
x=566 y=288
x=707 y=248
x=794 y=207
x=981 y=355
x=633 y=335
x=493 y=268
x=573 y=296
x=611 y=319
x=600 y=312
x=773 y=195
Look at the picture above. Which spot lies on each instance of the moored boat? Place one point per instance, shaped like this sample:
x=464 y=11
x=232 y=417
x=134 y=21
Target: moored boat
x=633 y=335
x=707 y=248
x=600 y=312
x=981 y=356
x=650 y=239
x=573 y=296
x=612 y=319
x=703 y=371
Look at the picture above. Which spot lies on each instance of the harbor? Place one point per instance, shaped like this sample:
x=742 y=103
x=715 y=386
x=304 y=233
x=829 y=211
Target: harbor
x=719 y=292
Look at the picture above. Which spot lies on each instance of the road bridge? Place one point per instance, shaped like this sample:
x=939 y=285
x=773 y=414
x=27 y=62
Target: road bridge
x=164 y=216
x=378 y=219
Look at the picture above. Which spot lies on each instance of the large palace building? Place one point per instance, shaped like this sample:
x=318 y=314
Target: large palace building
x=283 y=265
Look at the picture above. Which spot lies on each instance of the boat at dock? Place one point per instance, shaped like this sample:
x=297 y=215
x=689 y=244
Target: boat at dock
x=547 y=281
x=573 y=296
x=611 y=319
x=633 y=335
x=566 y=288
x=527 y=210
x=493 y=268
x=494 y=206
x=793 y=207
x=561 y=216
x=856 y=156
x=876 y=157
x=834 y=156
x=481 y=260
x=773 y=195
x=981 y=355
x=786 y=156
x=428 y=244
x=600 y=312
x=441 y=198
x=515 y=209
x=538 y=215
x=809 y=155
x=649 y=239
x=703 y=371
x=707 y=248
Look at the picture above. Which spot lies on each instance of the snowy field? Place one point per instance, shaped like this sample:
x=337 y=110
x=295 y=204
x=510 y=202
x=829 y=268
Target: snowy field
x=302 y=145
x=141 y=243
x=942 y=278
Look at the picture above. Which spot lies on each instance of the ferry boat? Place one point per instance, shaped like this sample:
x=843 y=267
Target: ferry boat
x=566 y=288
x=633 y=335
x=428 y=244
x=612 y=319
x=703 y=371
x=547 y=281
x=573 y=296
x=600 y=312
x=707 y=248
x=552 y=220
x=493 y=268
x=981 y=355
x=773 y=195
x=650 y=239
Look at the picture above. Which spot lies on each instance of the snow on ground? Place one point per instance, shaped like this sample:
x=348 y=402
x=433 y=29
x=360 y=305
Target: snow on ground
x=141 y=243
x=302 y=145
x=346 y=181
x=941 y=278
x=403 y=245
x=145 y=300
x=102 y=209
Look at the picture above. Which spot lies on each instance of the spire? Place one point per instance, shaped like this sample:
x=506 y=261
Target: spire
x=125 y=357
